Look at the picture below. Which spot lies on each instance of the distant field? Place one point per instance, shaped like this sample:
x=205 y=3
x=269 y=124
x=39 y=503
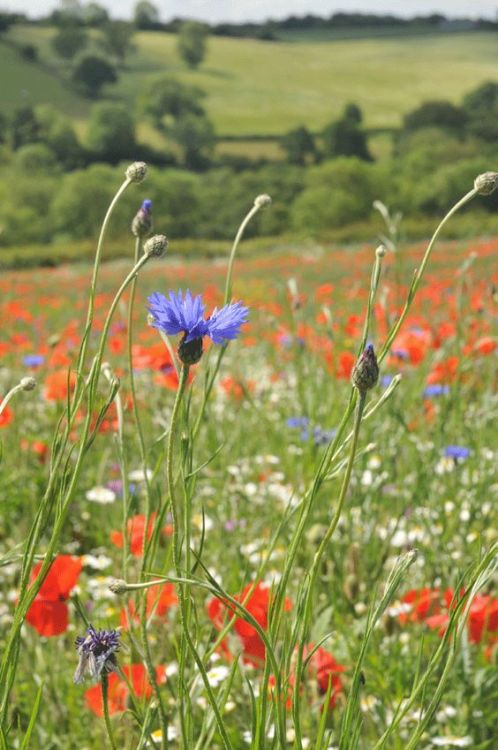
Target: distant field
x=266 y=88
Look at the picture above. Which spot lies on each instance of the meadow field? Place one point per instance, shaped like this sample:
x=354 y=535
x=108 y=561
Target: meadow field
x=315 y=80
x=276 y=545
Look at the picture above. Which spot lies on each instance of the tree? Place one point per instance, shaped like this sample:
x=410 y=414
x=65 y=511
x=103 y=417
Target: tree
x=345 y=137
x=95 y=15
x=441 y=114
x=92 y=72
x=192 y=43
x=57 y=132
x=195 y=137
x=299 y=145
x=24 y=127
x=68 y=41
x=117 y=36
x=146 y=15
x=167 y=99
x=481 y=109
x=111 y=132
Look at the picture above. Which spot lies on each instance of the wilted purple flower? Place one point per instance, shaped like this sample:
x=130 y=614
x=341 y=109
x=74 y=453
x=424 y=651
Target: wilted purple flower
x=97 y=653
x=185 y=315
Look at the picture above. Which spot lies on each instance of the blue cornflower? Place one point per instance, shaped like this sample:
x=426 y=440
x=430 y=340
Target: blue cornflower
x=436 y=390
x=297 y=422
x=185 y=315
x=33 y=360
x=386 y=380
x=141 y=225
x=97 y=653
x=456 y=452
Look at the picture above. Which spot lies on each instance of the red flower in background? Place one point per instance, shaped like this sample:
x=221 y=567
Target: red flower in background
x=324 y=668
x=160 y=599
x=258 y=604
x=49 y=613
x=136 y=533
x=6 y=416
x=118 y=690
x=59 y=384
x=420 y=604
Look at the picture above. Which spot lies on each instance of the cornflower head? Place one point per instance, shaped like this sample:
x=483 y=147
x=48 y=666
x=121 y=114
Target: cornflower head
x=97 y=651
x=141 y=225
x=185 y=315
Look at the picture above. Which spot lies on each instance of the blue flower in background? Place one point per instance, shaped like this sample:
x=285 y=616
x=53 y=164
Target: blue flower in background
x=297 y=421
x=386 y=380
x=33 y=360
x=456 y=452
x=185 y=315
x=436 y=390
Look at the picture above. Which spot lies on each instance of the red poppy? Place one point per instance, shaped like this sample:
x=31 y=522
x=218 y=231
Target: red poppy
x=56 y=385
x=160 y=599
x=118 y=689
x=420 y=604
x=324 y=668
x=6 y=416
x=49 y=612
x=258 y=604
x=136 y=533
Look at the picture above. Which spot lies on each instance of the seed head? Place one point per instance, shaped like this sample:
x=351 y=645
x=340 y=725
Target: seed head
x=366 y=371
x=262 y=201
x=156 y=246
x=28 y=384
x=486 y=183
x=137 y=171
x=118 y=586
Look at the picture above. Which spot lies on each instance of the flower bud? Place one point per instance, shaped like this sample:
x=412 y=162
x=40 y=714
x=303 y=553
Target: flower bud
x=141 y=225
x=28 y=383
x=156 y=246
x=366 y=371
x=486 y=183
x=190 y=352
x=262 y=201
x=118 y=586
x=381 y=251
x=136 y=172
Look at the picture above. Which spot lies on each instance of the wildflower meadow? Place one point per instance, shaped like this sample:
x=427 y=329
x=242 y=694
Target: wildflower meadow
x=251 y=502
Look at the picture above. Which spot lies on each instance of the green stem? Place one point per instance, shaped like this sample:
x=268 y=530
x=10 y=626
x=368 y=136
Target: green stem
x=105 y=704
x=320 y=552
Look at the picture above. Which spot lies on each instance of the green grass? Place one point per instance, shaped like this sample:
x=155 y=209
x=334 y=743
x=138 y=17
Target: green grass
x=387 y=77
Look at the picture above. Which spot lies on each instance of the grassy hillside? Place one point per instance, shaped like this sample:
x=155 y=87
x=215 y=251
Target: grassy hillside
x=387 y=77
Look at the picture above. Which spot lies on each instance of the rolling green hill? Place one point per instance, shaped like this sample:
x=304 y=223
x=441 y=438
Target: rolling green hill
x=256 y=88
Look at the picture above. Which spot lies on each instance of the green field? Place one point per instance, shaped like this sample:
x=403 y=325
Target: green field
x=387 y=77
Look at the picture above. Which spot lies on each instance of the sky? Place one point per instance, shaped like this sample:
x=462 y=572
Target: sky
x=258 y=10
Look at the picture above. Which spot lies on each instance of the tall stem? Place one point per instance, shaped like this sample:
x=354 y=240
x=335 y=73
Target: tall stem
x=105 y=705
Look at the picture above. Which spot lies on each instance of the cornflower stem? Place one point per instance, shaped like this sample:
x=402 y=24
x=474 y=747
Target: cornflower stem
x=10 y=395
x=420 y=272
x=228 y=283
x=360 y=405
x=96 y=266
x=27 y=596
x=176 y=537
x=145 y=557
x=228 y=291
x=105 y=705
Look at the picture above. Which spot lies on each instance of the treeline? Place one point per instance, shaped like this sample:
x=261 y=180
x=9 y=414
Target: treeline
x=146 y=17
